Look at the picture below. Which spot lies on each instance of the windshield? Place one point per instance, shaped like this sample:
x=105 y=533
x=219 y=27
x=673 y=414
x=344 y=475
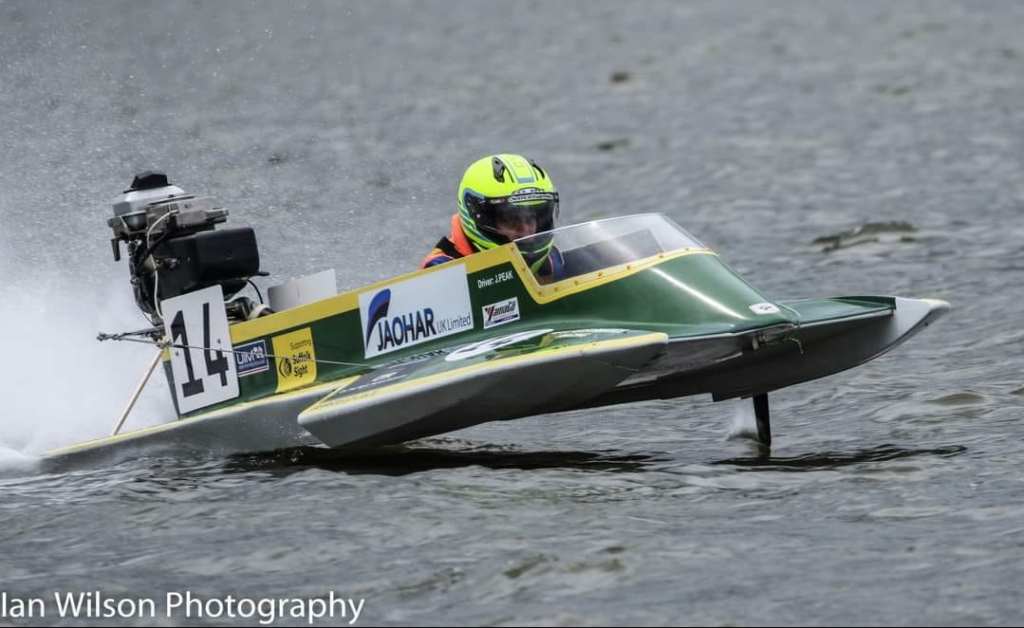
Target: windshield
x=594 y=246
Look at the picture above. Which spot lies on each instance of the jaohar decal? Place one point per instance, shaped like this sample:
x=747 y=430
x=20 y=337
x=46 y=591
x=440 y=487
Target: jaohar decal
x=415 y=311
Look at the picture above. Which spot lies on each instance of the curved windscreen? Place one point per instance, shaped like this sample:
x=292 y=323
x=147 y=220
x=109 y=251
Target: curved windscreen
x=601 y=244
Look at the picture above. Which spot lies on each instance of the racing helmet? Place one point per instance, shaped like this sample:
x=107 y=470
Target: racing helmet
x=508 y=188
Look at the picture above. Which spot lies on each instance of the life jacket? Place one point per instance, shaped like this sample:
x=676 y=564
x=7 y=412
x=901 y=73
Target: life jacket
x=457 y=245
x=452 y=247
x=553 y=268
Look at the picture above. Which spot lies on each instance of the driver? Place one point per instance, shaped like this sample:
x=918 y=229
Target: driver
x=503 y=198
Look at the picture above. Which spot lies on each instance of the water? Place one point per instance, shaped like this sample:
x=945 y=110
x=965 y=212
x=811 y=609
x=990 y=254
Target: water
x=893 y=493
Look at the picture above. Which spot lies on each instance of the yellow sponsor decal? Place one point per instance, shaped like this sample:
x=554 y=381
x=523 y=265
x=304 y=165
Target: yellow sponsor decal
x=295 y=359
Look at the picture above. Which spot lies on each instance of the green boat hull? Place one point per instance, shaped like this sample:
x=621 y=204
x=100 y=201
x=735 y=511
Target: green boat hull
x=669 y=325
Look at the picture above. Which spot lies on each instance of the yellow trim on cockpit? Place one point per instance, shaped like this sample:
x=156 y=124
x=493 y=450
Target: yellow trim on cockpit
x=506 y=254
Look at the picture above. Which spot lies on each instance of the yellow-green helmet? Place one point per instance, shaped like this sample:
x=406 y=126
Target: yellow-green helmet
x=509 y=187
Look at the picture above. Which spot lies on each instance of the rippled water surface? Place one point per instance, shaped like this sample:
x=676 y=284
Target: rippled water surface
x=893 y=493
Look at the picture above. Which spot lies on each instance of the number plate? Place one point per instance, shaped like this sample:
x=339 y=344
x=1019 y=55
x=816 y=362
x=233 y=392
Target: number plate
x=201 y=377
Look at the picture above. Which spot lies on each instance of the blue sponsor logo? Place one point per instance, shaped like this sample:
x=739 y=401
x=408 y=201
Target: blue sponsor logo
x=251 y=358
x=400 y=329
x=378 y=309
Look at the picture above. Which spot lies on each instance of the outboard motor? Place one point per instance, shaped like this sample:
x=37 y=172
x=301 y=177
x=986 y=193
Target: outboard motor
x=173 y=247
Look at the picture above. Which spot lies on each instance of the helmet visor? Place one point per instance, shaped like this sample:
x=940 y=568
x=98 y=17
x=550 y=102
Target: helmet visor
x=519 y=215
x=535 y=217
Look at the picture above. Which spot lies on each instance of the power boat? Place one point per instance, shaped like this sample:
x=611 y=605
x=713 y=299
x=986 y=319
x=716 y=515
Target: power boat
x=644 y=311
